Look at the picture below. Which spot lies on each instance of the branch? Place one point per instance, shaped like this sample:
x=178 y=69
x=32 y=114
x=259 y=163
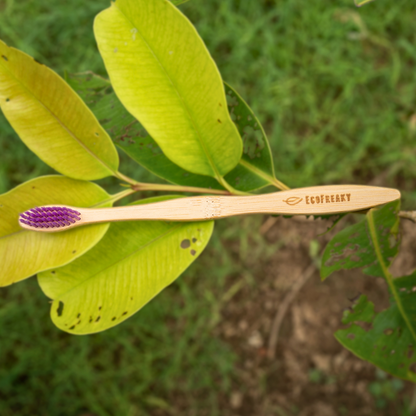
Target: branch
x=176 y=188
x=409 y=215
x=284 y=306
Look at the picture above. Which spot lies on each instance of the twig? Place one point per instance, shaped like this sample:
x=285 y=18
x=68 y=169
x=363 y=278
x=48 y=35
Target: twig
x=284 y=306
x=267 y=225
x=409 y=215
x=175 y=188
x=412 y=406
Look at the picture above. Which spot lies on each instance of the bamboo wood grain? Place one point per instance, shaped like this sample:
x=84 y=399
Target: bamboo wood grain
x=331 y=199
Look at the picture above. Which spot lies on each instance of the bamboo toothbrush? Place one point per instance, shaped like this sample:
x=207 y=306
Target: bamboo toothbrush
x=331 y=199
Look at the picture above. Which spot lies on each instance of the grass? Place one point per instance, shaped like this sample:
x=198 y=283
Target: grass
x=335 y=88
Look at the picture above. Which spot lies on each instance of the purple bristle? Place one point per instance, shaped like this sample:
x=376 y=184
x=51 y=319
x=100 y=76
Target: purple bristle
x=50 y=217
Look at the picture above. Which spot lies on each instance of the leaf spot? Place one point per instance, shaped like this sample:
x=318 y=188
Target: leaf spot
x=78 y=315
x=185 y=244
x=342 y=257
x=5 y=57
x=219 y=121
x=72 y=327
x=124 y=313
x=194 y=240
x=351 y=336
x=7 y=100
x=74 y=251
x=98 y=319
x=114 y=318
x=115 y=50
x=193 y=252
x=60 y=308
x=388 y=331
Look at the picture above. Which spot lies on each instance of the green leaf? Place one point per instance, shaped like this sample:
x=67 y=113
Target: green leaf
x=134 y=140
x=52 y=120
x=163 y=74
x=137 y=260
x=389 y=341
x=354 y=246
x=25 y=253
x=178 y=2
x=255 y=169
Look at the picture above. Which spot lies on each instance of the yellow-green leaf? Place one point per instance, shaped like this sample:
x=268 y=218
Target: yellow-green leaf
x=163 y=74
x=24 y=253
x=52 y=120
x=137 y=260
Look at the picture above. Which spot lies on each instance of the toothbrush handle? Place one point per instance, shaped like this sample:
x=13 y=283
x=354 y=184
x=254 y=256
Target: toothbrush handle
x=331 y=199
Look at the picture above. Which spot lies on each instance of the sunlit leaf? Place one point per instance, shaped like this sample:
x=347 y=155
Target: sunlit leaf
x=136 y=261
x=353 y=247
x=24 y=253
x=388 y=340
x=130 y=135
x=52 y=120
x=163 y=74
x=254 y=171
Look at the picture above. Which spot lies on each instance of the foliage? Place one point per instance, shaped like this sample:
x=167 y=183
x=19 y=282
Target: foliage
x=218 y=164
x=147 y=256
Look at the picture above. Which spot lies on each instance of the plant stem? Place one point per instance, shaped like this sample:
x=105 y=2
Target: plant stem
x=359 y=4
x=280 y=185
x=269 y=178
x=138 y=186
x=115 y=197
x=125 y=178
x=229 y=188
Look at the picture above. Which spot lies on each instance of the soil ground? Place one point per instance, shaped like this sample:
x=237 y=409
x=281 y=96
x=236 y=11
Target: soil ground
x=312 y=374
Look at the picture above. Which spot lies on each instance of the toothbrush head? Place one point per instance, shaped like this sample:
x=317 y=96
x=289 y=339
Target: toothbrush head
x=49 y=218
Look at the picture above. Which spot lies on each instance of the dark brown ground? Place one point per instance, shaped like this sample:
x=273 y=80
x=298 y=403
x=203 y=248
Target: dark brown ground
x=306 y=349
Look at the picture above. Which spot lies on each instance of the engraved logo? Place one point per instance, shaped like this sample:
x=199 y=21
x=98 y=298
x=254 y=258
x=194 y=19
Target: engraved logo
x=327 y=199
x=294 y=200
x=319 y=199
